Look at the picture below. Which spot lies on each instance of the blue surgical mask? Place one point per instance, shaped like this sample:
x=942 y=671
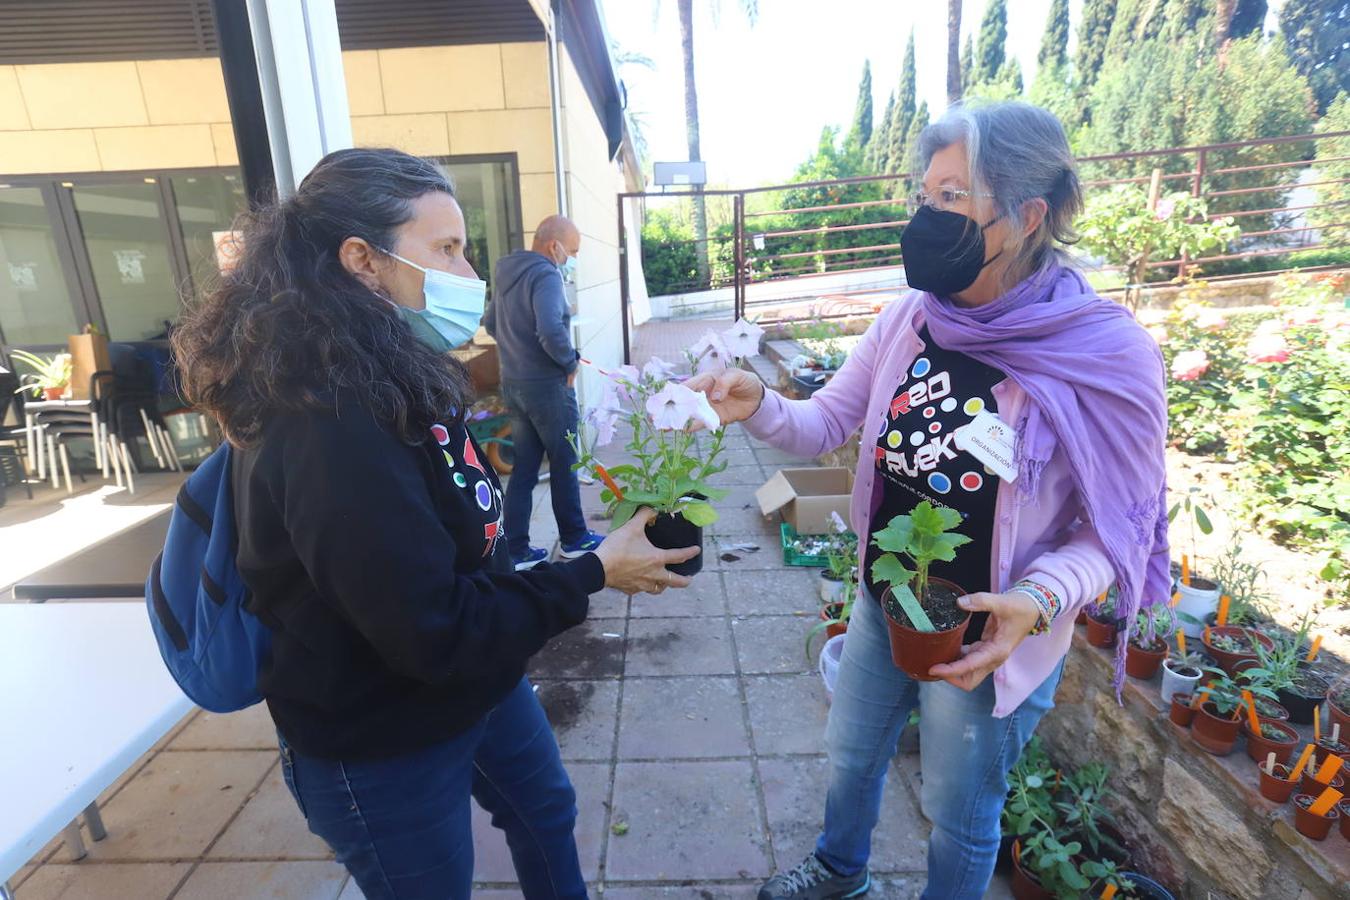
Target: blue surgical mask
x=454 y=304
x=568 y=268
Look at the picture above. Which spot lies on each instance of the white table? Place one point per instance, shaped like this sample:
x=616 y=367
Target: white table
x=83 y=694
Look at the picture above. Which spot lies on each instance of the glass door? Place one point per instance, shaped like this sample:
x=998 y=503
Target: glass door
x=35 y=296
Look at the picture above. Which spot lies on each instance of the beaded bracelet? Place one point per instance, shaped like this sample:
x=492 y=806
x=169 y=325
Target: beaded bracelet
x=1047 y=602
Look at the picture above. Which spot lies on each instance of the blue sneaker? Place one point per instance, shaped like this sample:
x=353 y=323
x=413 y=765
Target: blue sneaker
x=583 y=546
x=533 y=557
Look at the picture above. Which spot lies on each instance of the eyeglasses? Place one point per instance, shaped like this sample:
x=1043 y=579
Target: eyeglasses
x=942 y=200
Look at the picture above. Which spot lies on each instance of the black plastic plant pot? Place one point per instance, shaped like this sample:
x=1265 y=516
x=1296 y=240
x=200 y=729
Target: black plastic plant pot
x=1146 y=888
x=1300 y=704
x=672 y=532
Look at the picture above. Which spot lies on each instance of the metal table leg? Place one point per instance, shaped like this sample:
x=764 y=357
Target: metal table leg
x=74 y=840
x=6 y=892
x=94 y=820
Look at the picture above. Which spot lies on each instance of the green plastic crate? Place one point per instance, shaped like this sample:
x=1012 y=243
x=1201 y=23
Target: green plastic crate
x=793 y=558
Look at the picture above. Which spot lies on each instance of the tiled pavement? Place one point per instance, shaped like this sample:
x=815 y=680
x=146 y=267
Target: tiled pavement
x=691 y=724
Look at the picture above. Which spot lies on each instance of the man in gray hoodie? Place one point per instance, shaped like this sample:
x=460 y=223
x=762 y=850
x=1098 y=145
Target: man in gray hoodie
x=531 y=323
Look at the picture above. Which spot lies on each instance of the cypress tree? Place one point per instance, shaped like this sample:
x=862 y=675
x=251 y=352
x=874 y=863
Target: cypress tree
x=861 y=132
x=1054 y=51
x=990 y=51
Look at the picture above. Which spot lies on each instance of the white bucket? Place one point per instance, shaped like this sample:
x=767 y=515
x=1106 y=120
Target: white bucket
x=1198 y=604
x=830 y=654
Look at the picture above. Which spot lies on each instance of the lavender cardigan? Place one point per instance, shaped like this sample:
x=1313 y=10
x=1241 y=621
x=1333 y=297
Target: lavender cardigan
x=1046 y=540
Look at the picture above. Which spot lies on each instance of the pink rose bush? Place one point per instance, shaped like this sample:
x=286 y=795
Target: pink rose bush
x=1189 y=365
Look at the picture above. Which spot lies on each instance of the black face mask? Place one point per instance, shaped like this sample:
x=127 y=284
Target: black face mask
x=943 y=252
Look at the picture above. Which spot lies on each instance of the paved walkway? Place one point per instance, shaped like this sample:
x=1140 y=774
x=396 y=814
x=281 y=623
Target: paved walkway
x=691 y=724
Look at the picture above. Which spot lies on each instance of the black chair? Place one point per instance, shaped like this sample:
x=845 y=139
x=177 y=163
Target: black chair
x=13 y=438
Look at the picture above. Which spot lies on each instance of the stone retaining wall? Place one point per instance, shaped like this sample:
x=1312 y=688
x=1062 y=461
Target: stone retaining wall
x=1194 y=820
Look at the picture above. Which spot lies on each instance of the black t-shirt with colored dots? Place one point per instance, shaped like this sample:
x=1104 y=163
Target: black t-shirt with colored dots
x=917 y=459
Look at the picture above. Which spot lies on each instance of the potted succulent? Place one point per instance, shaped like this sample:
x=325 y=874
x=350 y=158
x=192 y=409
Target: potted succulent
x=1102 y=624
x=1313 y=825
x=1233 y=647
x=1276 y=785
x=1311 y=784
x=1275 y=737
x=1199 y=596
x=1146 y=651
x=1142 y=888
x=1298 y=689
x=49 y=378
x=1216 y=716
x=1330 y=745
x=1270 y=709
x=1181 y=671
x=925 y=623
x=669 y=470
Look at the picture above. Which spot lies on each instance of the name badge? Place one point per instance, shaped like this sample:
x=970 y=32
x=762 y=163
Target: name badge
x=992 y=441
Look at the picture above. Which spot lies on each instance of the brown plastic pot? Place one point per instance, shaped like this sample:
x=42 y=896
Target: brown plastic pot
x=1259 y=746
x=1024 y=884
x=1081 y=618
x=1144 y=664
x=1326 y=747
x=1102 y=633
x=1276 y=787
x=915 y=652
x=1268 y=710
x=1309 y=825
x=829 y=612
x=1230 y=662
x=1213 y=732
x=1339 y=716
x=1181 y=713
x=1344 y=808
x=1310 y=785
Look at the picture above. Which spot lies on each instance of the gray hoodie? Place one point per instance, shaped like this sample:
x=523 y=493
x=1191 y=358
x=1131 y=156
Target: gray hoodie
x=529 y=319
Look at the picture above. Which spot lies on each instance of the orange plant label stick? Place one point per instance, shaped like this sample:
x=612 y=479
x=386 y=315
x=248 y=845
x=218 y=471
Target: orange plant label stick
x=1181 y=639
x=1224 y=601
x=1199 y=699
x=1323 y=804
x=1302 y=763
x=1317 y=723
x=1176 y=598
x=1330 y=766
x=1251 y=713
x=609 y=481
x=1108 y=892
x=1208 y=637
x=1185 y=570
x=1316 y=645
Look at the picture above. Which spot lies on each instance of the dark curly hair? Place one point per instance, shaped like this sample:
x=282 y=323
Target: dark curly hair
x=289 y=328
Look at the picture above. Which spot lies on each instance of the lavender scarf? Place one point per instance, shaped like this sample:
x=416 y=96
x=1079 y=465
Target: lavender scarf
x=1096 y=387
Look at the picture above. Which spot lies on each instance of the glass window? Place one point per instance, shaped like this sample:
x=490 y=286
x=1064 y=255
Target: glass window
x=488 y=194
x=35 y=303
x=128 y=245
x=207 y=205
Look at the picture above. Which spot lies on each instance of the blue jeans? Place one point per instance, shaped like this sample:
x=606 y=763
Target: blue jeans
x=542 y=413
x=401 y=825
x=966 y=757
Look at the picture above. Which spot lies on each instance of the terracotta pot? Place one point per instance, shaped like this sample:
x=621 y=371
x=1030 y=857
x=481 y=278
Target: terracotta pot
x=1181 y=712
x=1213 y=732
x=1229 y=661
x=1312 y=826
x=1102 y=633
x=915 y=652
x=1324 y=748
x=55 y=393
x=1024 y=884
x=1344 y=808
x=1259 y=746
x=1270 y=711
x=1082 y=617
x=669 y=532
x=1173 y=682
x=1144 y=664
x=1310 y=785
x=832 y=612
x=1300 y=704
x=1338 y=716
x=1276 y=787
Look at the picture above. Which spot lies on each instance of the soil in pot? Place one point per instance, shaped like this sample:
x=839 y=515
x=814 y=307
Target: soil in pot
x=1327 y=747
x=832 y=611
x=1145 y=888
x=1178 y=679
x=1276 y=787
x=1309 y=824
x=1275 y=737
x=1306 y=694
x=1181 y=713
x=915 y=652
x=1269 y=709
x=674 y=532
x=1024 y=884
x=1214 y=732
x=1143 y=662
x=1232 y=646
x=1310 y=785
x=1102 y=632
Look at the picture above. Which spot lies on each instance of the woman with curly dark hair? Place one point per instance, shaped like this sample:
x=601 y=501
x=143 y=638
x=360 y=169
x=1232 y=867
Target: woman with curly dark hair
x=370 y=535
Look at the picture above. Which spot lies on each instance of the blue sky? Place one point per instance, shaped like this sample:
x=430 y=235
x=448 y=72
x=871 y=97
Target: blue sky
x=765 y=92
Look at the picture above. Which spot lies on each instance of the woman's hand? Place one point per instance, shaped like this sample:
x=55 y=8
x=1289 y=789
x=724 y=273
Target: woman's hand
x=633 y=565
x=1011 y=618
x=735 y=394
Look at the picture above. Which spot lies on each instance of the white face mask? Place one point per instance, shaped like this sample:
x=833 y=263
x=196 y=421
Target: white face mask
x=454 y=303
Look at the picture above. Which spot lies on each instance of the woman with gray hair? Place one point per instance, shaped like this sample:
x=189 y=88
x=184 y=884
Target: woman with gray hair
x=998 y=330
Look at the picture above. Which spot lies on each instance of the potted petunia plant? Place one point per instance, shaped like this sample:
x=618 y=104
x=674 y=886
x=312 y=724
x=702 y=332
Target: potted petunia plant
x=668 y=469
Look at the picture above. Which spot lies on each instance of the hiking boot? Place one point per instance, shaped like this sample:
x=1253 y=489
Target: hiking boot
x=813 y=880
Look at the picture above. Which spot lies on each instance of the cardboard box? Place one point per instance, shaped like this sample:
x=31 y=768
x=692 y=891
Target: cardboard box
x=806 y=497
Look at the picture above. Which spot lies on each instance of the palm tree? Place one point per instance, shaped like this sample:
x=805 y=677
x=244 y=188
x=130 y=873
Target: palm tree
x=953 y=51
x=686 y=11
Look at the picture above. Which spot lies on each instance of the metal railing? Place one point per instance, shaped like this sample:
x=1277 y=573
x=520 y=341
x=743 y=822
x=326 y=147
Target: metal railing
x=781 y=233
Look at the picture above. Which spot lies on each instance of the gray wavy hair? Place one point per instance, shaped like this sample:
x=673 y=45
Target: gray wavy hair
x=1017 y=152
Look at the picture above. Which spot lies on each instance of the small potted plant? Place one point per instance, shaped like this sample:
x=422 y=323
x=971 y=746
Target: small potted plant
x=1146 y=651
x=1344 y=809
x=1297 y=688
x=1276 y=786
x=841 y=562
x=1311 y=784
x=1199 y=596
x=1330 y=745
x=1181 y=709
x=1143 y=888
x=48 y=379
x=1216 y=717
x=925 y=623
x=1181 y=671
x=1338 y=702
x=1270 y=710
x=1275 y=737
x=1234 y=647
x=1313 y=825
x=1102 y=624
x=834 y=616
x=1242 y=581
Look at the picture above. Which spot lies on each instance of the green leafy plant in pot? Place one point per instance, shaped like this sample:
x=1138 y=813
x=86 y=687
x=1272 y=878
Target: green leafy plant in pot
x=47 y=378
x=926 y=625
x=1199 y=596
x=1279 y=666
x=1147 y=649
x=1217 y=722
